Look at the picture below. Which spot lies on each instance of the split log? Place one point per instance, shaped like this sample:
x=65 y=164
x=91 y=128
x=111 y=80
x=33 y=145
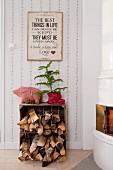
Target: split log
x=47 y=115
x=40 y=130
x=42 y=152
x=35 y=152
x=61 y=139
x=49 y=159
x=53 y=126
x=23 y=156
x=33 y=115
x=47 y=144
x=20 y=156
x=52 y=141
x=27 y=136
x=44 y=121
x=55 y=155
x=61 y=158
x=47 y=131
x=30 y=157
x=59 y=145
x=38 y=157
x=41 y=141
x=34 y=144
x=60 y=132
x=40 y=118
x=55 y=130
x=25 y=127
x=49 y=151
x=47 y=126
x=31 y=127
x=62 y=151
x=33 y=147
x=25 y=146
x=62 y=126
x=21 y=132
x=23 y=121
x=46 y=161
x=29 y=120
x=36 y=125
x=55 y=118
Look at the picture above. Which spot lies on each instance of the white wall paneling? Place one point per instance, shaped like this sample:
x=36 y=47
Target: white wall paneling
x=20 y=72
x=1 y=74
x=91 y=64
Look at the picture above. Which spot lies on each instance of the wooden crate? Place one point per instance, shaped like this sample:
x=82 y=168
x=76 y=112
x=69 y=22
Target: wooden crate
x=42 y=132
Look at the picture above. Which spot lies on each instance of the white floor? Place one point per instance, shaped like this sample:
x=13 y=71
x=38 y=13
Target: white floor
x=9 y=161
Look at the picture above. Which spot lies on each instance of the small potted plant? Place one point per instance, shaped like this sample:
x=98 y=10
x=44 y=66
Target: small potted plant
x=54 y=95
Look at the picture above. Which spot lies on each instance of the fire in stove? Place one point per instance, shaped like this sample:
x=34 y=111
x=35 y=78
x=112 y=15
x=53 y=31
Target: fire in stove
x=104 y=119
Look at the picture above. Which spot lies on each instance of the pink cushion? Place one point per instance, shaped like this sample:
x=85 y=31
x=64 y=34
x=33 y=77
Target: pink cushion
x=27 y=93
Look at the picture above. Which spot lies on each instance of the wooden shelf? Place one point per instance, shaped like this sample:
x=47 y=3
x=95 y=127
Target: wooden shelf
x=42 y=104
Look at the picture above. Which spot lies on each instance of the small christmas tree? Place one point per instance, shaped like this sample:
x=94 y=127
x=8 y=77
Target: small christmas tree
x=50 y=79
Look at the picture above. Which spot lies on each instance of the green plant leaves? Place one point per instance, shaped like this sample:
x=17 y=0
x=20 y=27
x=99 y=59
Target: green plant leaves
x=48 y=65
x=53 y=72
x=58 y=90
x=50 y=79
x=57 y=80
x=43 y=83
x=42 y=75
x=42 y=67
x=42 y=92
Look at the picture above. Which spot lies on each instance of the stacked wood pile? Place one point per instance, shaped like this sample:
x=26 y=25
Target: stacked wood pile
x=42 y=137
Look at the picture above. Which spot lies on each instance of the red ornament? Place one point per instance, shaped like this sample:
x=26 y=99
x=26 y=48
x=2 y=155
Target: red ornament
x=61 y=101
x=55 y=98
x=51 y=101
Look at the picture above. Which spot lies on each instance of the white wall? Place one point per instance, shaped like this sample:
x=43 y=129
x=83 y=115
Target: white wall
x=19 y=71
x=2 y=74
x=105 y=88
x=91 y=65
x=107 y=35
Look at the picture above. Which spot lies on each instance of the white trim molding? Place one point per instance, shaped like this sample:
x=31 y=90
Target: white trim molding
x=2 y=74
x=74 y=145
x=11 y=145
x=91 y=64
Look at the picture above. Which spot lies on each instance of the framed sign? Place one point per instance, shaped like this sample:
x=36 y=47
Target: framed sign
x=45 y=36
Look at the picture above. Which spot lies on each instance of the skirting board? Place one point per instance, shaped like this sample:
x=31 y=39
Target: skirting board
x=11 y=145
x=1 y=145
x=73 y=145
x=15 y=145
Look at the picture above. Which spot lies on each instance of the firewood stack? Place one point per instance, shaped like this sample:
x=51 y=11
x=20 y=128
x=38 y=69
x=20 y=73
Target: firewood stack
x=42 y=137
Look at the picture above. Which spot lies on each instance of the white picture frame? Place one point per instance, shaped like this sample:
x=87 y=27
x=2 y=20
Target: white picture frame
x=45 y=36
